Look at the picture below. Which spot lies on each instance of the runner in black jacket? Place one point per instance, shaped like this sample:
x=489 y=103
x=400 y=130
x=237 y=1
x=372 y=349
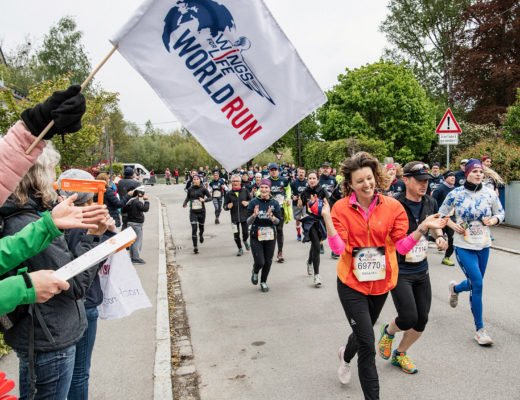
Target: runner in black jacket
x=264 y=214
x=313 y=226
x=236 y=201
x=196 y=197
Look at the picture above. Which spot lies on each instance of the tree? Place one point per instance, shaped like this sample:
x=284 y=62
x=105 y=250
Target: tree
x=20 y=72
x=308 y=132
x=78 y=149
x=512 y=121
x=424 y=34
x=62 y=53
x=487 y=64
x=381 y=101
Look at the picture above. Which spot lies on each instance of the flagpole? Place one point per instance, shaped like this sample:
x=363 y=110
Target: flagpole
x=83 y=85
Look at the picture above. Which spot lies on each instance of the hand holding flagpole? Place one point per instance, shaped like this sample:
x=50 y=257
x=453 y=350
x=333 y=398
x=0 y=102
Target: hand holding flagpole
x=83 y=85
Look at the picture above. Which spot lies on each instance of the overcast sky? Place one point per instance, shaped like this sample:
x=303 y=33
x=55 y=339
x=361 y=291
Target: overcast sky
x=330 y=35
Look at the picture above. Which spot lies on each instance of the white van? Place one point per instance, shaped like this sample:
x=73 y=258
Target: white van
x=141 y=173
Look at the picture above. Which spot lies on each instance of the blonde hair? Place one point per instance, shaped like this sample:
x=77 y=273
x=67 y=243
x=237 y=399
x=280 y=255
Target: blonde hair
x=103 y=176
x=39 y=180
x=489 y=173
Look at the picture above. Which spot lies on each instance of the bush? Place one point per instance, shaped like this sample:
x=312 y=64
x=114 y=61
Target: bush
x=512 y=122
x=505 y=156
x=336 y=151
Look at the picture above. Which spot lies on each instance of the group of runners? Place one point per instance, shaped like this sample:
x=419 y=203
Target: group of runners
x=378 y=221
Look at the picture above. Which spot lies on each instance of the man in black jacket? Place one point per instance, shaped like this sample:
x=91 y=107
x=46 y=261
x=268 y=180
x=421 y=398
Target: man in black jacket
x=125 y=185
x=413 y=294
x=135 y=209
x=236 y=201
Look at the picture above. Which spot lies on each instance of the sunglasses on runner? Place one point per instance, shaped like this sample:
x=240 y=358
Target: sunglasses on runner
x=418 y=171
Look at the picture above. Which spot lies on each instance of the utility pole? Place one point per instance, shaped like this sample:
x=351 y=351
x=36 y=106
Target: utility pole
x=298 y=145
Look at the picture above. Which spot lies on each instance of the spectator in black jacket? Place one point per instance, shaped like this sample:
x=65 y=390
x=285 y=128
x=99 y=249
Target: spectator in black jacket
x=125 y=185
x=113 y=200
x=94 y=296
x=135 y=209
x=58 y=324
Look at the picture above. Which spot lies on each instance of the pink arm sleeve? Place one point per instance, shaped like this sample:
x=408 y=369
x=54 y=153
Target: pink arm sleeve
x=336 y=244
x=13 y=159
x=406 y=244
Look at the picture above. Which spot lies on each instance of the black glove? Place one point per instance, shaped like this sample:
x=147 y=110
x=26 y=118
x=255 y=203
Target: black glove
x=64 y=107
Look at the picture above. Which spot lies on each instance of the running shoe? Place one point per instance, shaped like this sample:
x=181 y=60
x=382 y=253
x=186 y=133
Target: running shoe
x=240 y=252
x=279 y=257
x=201 y=238
x=217 y=221
x=310 y=268
x=263 y=287
x=448 y=262
x=196 y=250
x=483 y=338
x=385 y=343
x=254 y=277
x=404 y=362
x=322 y=250
x=317 y=281
x=138 y=261
x=248 y=247
x=333 y=255
x=299 y=238
x=344 y=374
x=454 y=297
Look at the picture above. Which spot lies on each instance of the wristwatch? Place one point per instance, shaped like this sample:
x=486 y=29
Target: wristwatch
x=27 y=280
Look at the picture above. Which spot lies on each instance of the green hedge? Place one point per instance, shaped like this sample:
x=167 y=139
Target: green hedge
x=505 y=156
x=315 y=153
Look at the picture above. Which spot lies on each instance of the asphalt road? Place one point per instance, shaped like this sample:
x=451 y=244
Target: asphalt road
x=283 y=344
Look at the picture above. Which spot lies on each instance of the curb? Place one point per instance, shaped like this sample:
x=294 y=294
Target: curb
x=506 y=250
x=162 y=388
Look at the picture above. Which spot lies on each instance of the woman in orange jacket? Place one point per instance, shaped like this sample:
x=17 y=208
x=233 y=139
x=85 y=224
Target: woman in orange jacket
x=367 y=228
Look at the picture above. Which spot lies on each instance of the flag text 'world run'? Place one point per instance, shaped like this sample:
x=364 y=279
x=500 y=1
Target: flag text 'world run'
x=204 y=68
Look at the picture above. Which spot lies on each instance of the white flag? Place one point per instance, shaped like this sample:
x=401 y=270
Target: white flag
x=225 y=69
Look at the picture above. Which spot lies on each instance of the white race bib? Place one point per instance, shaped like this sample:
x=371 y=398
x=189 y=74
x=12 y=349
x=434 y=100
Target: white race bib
x=196 y=205
x=265 y=233
x=418 y=253
x=477 y=233
x=279 y=198
x=369 y=263
x=234 y=228
x=217 y=193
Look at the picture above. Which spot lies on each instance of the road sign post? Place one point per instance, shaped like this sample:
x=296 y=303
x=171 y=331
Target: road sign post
x=448 y=131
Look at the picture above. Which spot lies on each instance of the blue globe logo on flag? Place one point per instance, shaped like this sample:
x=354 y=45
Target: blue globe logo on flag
x=209 y=15
x=216 y=30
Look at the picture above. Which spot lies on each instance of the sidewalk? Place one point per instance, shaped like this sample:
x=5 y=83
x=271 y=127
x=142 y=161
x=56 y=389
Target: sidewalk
x=506 y=239
x=124 y=353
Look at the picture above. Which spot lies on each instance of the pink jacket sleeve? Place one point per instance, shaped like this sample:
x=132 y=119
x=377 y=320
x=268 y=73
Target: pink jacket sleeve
x=13 y=159
x=336 y=244
x=406 y=244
